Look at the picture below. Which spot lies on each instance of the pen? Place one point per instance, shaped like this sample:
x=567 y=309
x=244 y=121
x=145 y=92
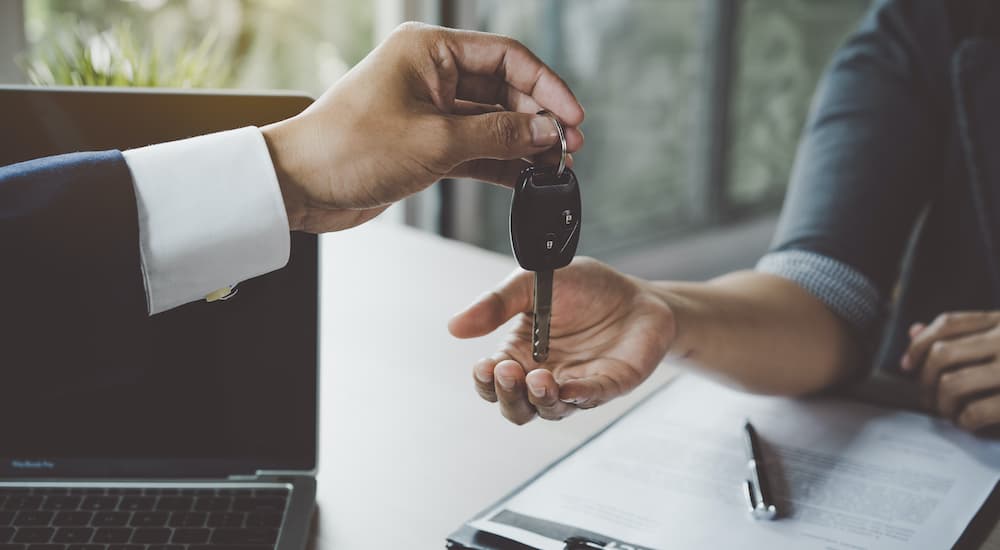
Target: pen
x=582 y=543
x=757 y=491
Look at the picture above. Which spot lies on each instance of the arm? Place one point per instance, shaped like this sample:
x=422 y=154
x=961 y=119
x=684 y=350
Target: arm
x=60 y=217
x=214 y=210
x=809 y=316
x=762 y=332
x=610 y=331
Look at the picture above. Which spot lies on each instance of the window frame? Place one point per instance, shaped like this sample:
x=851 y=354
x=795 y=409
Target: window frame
x=13 y=40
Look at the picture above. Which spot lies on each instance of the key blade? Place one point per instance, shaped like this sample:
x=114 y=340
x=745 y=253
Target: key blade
x=542 y=317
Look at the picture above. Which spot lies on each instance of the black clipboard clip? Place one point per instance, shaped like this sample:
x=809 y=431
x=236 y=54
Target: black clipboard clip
x=582 y=543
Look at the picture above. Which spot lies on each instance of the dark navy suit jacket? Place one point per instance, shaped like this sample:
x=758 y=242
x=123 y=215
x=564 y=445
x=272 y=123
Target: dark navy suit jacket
x=70 y=276
x=75 y=334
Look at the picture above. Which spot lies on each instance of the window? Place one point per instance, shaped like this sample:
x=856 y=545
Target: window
x=258 y=44
x=782 y=48
x=693 y=108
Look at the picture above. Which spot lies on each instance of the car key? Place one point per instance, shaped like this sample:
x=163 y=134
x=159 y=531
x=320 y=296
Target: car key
x=544 y=233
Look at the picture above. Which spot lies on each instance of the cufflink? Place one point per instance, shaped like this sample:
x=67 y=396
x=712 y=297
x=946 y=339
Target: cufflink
x=222 y=294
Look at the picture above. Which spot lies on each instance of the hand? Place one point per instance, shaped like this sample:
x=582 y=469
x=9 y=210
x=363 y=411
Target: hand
x=427 y=103
x=608 y=334
x=959 y=368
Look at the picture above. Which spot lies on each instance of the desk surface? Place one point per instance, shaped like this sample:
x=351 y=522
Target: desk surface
x=408 y=451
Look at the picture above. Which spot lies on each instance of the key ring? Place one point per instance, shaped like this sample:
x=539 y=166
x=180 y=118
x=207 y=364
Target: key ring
x=562 y=140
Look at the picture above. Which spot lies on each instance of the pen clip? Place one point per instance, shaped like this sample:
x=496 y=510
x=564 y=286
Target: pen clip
x=758 y=508
x=748 y=492
x=755 y=488
x=583 y=543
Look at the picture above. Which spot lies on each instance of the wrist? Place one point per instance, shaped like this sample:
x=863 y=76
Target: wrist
x=682 y=312
x=285 y=159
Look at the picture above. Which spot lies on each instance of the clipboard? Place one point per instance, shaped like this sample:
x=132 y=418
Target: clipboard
x=977 y=531
x=468 y=538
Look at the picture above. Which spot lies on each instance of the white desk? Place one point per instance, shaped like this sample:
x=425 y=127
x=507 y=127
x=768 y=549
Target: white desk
x=408 y=451
x=404 y=439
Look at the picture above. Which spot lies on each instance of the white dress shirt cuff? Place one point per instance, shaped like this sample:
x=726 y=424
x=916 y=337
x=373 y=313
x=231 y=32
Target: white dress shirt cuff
x=210 y=215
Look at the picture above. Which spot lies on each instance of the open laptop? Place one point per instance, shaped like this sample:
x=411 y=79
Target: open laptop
x=200 y=433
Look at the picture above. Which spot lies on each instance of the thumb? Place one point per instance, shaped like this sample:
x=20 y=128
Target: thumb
x=494 y=308
x=503 y=135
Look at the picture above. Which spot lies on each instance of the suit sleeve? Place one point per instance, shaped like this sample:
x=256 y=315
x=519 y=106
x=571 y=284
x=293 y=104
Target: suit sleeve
x=69 y=222
x=92 y=243
x=69 y=261
x=872 y=149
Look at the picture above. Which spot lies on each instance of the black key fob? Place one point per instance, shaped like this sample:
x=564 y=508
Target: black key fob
x=545 y=218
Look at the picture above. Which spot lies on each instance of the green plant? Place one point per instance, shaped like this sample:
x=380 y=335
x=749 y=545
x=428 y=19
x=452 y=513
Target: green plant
x=75 y=55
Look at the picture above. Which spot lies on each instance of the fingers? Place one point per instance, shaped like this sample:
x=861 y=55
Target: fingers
x=521 y=396
x=960 y=386
x=589 y=392
x=492 y=146
x=980 y=414
x=479 y=102
x=608 y=379
x=512 y=393
x=482 y=375
x=487 y=89
x=543 y=394
x=948 y=354
x=476 y=53
x=945 y=326
x=495 y=308
x=501 y=135
x=500 y=172
x=481 y=90
x=462 y=107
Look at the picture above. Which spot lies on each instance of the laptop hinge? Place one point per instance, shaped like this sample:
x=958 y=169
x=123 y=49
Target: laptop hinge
x=281 y=473
x=266 y=473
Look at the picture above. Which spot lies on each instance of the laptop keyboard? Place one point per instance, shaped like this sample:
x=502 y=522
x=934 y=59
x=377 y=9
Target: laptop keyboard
x=140 y=519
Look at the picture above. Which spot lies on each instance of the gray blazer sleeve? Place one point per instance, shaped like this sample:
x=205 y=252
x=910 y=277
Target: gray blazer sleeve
x=873 y=147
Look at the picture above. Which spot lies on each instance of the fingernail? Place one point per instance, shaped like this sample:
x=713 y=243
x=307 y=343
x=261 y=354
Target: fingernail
x=905 y=362
x=484 y=377
x=506 y=382
x=543 y=131
x=573 y=400
x=537 y=390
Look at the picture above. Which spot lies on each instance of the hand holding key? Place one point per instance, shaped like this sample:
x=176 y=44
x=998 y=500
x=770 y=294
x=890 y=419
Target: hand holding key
x=608 y=333
x=427 y=103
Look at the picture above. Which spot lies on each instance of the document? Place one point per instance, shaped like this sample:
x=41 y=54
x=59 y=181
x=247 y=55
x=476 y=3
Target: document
x=670 y=474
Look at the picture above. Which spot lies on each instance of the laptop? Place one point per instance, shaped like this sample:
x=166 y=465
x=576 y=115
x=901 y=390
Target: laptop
x=198 y=431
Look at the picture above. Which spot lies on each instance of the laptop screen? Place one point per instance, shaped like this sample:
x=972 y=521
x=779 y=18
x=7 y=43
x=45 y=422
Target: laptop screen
x=204 y=390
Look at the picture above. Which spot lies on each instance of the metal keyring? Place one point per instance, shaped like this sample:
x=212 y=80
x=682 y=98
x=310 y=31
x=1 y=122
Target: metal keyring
x=562 y=140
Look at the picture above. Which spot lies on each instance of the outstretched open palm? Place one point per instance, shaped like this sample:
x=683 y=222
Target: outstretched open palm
x=608 y=334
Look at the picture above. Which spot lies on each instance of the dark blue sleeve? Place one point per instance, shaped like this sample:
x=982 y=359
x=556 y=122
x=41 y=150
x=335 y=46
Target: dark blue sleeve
x=875 y=144
x=70 y=275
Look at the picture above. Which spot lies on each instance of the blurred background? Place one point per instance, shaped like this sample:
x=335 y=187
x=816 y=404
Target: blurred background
x=694 y=107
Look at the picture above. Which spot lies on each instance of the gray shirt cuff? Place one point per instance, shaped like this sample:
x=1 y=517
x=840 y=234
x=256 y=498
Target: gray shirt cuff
x=842 y=288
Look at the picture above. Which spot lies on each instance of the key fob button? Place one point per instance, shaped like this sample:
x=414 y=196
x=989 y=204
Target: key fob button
x=567 y=217
x=550 y=242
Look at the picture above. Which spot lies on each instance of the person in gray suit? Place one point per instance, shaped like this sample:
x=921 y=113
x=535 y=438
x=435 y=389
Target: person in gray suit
x=885 y=257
